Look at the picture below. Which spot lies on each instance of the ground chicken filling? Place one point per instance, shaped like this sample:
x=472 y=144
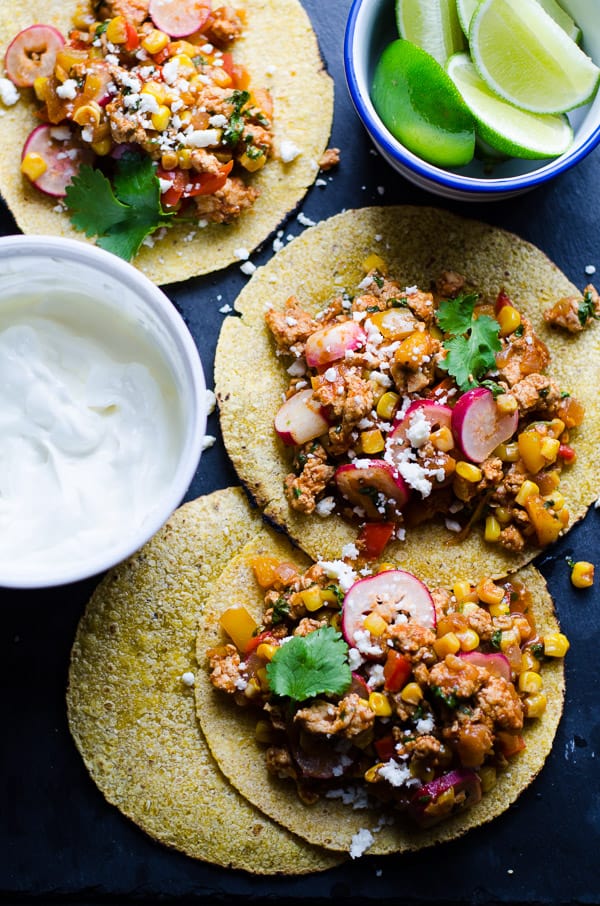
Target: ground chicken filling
x=120 y=83
x=435 y=696
x=405 y=405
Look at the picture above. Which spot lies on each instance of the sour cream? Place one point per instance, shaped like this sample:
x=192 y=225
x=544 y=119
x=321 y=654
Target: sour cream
x=90 y=427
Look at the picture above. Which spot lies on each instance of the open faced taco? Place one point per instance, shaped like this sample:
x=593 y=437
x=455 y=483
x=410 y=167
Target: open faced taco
x=187 y=130
x=395 y=720
x=131 y=700
x=403 y=377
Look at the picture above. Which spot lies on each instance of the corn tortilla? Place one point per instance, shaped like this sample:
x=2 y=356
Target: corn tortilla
x=132 y=716
x=291 y=67
x=230 y=730
x=417 y=244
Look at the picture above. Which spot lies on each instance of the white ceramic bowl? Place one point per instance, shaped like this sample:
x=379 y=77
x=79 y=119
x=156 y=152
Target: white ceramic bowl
x=371 y=26
x=89 y=473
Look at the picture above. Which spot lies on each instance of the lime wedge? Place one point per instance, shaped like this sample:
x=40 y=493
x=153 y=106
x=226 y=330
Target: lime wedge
x=506 y=128
x=529 y=60
x=420 y=105
x=465 y=10
x=562 y=18
x=432 y=25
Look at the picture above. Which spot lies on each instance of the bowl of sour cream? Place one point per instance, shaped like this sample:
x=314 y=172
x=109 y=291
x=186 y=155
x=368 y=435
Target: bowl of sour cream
x=102 y=410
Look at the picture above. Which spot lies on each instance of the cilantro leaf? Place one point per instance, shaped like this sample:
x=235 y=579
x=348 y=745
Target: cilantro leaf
x=121 y=215
x=311 y=665
x=587 y=309
x=472 y=343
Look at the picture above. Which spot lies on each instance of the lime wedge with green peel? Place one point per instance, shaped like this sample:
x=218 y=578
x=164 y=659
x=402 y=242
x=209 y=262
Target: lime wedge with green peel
x=528 y=59
x=506 y=128
x=421 y=106
x=562 y=18
x=432 y=25
x=465 y=10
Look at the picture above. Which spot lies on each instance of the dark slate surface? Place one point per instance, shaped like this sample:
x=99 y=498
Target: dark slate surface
x=60 y=841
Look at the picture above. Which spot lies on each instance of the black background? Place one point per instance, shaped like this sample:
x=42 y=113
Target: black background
x=60 y=841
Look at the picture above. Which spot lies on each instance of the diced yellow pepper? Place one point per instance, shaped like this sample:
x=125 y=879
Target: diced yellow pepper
x=582 y=574
x=394 y=323
x=264 y=568
x=549 y=449
x=530 y=450
x=556 y=644
x=311 y=598
x=116 y=30
x=239 y=625
x=529 y=661
x=374 y=262
x=375 y=624
x=527 y=489
x=507 y=452
x=40 y=86
x=33 y=165
x=548 y=525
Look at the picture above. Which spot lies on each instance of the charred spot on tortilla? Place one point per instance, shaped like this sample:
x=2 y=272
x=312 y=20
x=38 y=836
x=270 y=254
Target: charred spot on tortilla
x=234 y=123
x=131 y=701
x=408 y=382
x=401 y=718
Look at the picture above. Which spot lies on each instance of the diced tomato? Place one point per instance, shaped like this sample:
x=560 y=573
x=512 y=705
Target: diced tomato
x=257 y=640
x=186 y=184
x=374 y=537
x=502 y=299
x=396 y=671
x=385 y=747
x=567 y=453
x=133 y=39
x=239 y=74
x=509 y=743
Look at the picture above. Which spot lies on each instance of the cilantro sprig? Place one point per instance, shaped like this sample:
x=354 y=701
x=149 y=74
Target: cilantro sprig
x=310 y=665
x=586 y=310
x=120 y=214
x=472 y=342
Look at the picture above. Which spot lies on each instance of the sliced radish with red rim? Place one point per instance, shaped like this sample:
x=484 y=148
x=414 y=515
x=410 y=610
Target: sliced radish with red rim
x=479 y=426
x=408 y=595
x=177 y=18
x=330 y=343
x=466 y=786
x=435 y=414
x=497 y=664
x=32 y=53
x=374 y=486
x=63 y=158
x=300 y=419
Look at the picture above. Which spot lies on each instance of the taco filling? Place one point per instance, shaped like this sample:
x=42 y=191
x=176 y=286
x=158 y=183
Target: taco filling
x=405 y=404
x=418 y=701
x=154 y=80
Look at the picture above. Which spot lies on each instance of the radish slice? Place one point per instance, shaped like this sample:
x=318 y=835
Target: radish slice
x=436 y=415
x=359 y=686
x=300 y=419
x=63 y=158
x=410 y=597
x=330 y=343
x=32 y=53
x=178 y=18
x=467 y=792
x=478 y=426
x=374 y=486
x=497 y=664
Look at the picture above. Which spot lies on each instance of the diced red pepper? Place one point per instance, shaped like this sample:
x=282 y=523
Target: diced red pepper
x=567 y=453
x=257 y=640
x=374 y=537
x=187 y=185
x=385 y=747
x=132 y=40
x=238 y=74
x=396 y=671
x=509 y=743
x=502 y=299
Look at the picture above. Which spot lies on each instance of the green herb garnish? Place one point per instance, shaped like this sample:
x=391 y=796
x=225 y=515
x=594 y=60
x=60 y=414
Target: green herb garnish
x=310 y=665
x=281 y=610
x=449 y=698
x=496 y=639
x=235 y=128
x=472 y=342
x=587 y=309
x=121 y=215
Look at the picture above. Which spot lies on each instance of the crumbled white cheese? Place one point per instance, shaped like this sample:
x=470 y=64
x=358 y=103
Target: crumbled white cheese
x=60 y=133
x=361 y=841
x=425 y=725
x=337 y=569
x=242 y=253
x=164 y=184
x=396 y=774
x=288 y=151
x=350 y=551
x=452 y=525
x=210 y=401
x=330 y=375
x=297 y=369
x=8 y=93
x=304 y=220
x=68 y=90
x=376 y=677
x=187 y=678
x=225 y=309
x=590 y=269
x=325 y=507
x=419 y=429
x=207 y=441
x=248 y=268
x=201 y=138
x=218 y=121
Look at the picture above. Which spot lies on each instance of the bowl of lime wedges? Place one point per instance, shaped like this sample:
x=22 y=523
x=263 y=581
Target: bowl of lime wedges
x=476 y=99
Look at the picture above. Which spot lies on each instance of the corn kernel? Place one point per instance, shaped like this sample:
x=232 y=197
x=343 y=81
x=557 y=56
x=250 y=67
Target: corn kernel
x=556 y=644
x=582 y=574
x=442 y=439
x=463 y=591
x=469 y=607
x=372 y=441
x=39 y=86
x=557 y=426
x=411 y=693
x=436 y=333
x=508 y=638
x=468 y=638
x=160 y=119
x=336 y=621
x=492 y=529
x=447 y=644
x=116 y=30
x=252 y=689
x=535 y=705
x=509 y=319
x=155 y=41
x=468 y=471
x=503 y=515
x=387 y=404
x=263 y=678
x=156 y=90
x=375 y=624
x=379 y=704
x=527 y=489
x=499 y=610
x=102 y=147
x=374 y=262
x=529 y=661
x=263 y=732
x=372 y=774
x=564 y=516
x=184 y=156
x=33 y=166
x=549 y=448
x=221 y=77
x=311 y=598
x=185 y=66
x=506 y=403
x=253 y=163
x=507 y=452
x=489 y=592
x=530 y=682
x=88 y=114
x=266 y=651
x=488 y=777
x=169 y=160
